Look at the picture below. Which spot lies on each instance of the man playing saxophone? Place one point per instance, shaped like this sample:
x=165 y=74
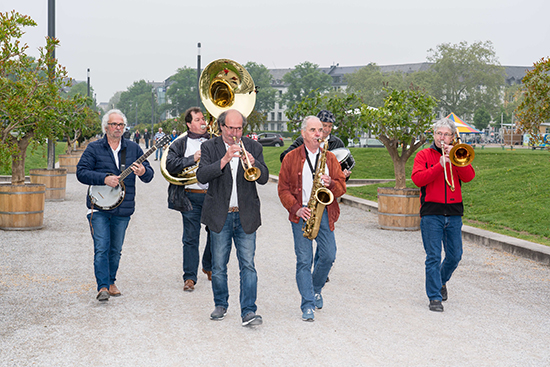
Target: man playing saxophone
x=182 y=154
x=296 y=180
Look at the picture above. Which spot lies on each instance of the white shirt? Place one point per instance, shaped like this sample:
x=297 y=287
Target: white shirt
x=307 y=175
x=234 y=164
x=192 y=146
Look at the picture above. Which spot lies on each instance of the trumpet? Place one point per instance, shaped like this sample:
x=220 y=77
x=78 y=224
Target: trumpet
x=460 y=155
x=251 y=173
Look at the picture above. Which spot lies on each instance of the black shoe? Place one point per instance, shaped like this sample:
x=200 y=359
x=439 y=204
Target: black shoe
x=251 y=319
x=444 y=294
x=218 y=314
x=435 y=305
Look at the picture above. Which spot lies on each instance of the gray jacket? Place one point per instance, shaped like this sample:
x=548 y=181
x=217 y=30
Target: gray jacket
x=220 y=183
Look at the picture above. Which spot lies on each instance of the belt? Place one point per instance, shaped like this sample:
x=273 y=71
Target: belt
x=194 y=191
x=233 y=209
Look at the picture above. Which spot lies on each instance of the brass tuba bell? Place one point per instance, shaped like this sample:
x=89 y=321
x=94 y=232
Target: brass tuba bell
x=223 y=85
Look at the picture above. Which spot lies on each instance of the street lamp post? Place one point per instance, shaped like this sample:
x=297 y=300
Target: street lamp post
x=51 y=35
x=88 y=75
x=198 y=73
x=152 y=112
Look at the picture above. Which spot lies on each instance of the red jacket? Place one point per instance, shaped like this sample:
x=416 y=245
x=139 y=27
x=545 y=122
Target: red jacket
x=290 y=184
x=436 y=197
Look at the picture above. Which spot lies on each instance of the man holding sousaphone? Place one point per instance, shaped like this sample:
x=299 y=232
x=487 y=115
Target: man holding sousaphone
x=231 y=209
x=439 y=172
x=186 y=194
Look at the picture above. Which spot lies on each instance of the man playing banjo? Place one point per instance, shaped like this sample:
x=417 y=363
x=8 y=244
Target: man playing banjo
x=101 y=164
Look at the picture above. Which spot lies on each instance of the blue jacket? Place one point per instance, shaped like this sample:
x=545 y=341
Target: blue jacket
x=98 y=161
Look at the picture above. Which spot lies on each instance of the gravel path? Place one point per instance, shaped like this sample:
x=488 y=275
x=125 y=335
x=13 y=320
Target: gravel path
x=375 y=314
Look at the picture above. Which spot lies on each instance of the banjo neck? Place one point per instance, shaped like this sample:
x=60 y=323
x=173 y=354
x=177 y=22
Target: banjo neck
x=145 y=155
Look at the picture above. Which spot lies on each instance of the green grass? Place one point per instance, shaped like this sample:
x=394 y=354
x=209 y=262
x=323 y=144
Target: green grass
x=507 y=196
x=37 y=158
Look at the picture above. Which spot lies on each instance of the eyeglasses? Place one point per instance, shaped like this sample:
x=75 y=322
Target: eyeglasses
x=113 y=124
x=447 y=135
x=236 y=128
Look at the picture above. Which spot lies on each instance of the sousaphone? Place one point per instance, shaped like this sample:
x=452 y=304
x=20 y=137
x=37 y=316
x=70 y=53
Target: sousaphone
x=223 y=85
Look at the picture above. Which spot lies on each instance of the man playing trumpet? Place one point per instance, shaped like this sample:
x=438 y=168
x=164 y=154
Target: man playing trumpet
x=232 y=211
x=441 y=209
x=296 y=180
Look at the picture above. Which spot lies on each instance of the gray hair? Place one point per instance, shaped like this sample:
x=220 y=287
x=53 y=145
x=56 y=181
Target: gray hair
x=306 y=120
x=445 y=123
x=105 y=119
x=221 y=119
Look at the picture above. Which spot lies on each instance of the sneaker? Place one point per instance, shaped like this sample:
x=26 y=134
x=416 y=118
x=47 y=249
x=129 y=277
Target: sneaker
x=444 y=294
x=307 y=315
x=318 y=301
x=103 y=295
x=436 y=306
x=218 y=314
x=251 y=319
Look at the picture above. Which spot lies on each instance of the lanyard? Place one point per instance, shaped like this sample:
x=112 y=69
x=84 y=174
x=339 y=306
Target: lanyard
x=309 y=162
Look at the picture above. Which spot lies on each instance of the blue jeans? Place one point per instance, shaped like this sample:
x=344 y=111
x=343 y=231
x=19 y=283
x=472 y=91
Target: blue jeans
x=310 y=283
x=245 y=245
x=108 y=233
x=191 y=239
x=438 y=229
x=157 y=152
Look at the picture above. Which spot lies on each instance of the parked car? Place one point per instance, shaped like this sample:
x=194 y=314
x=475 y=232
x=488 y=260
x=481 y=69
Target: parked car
x=271 y=139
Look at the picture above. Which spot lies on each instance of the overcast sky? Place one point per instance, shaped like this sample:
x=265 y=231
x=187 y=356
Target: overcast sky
x=123 y=41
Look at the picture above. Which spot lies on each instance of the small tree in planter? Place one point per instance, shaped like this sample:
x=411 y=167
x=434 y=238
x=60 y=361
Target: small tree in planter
x=401 y=125
x=29 y=96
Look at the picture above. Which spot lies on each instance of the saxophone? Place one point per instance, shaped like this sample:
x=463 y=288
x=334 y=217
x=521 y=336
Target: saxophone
x=319 y=198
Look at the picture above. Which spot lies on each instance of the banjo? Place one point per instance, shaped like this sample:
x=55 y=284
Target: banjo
x=106 y=197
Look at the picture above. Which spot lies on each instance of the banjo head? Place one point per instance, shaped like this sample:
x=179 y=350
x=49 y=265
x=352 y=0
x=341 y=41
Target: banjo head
x=106 y=197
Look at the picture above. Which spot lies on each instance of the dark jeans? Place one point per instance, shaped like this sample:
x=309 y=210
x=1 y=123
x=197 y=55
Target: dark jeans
x=108 y=233
x=221 y=249
x=191 y=239
x=438 y=230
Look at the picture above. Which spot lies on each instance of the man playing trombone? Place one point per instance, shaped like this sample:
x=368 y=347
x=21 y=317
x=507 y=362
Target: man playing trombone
x=441 y=209
x=231 y=210
x=184 y=153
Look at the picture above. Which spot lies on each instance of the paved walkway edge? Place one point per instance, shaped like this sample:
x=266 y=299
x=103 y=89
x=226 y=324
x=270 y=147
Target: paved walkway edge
x=530 y=250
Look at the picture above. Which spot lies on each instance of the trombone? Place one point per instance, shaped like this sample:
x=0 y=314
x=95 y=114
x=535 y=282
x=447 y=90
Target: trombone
x=461 y=155
x=251 y=173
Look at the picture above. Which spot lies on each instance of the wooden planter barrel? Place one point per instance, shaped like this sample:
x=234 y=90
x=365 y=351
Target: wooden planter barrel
x=69 y=162
x=22 y=206
x=54 y=179
x=399 y=209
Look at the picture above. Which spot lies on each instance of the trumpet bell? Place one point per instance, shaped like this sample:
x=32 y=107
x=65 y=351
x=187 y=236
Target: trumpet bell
x=461 y=155
x=252 y=174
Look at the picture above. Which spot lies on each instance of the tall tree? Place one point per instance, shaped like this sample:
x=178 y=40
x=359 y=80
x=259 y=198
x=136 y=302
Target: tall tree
x=466 y=77
x=481 y=118
x=267 y=95
x=182 y=93
x=370 y=83
x=136 y=101
x=535 y=107
x=303 y=81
